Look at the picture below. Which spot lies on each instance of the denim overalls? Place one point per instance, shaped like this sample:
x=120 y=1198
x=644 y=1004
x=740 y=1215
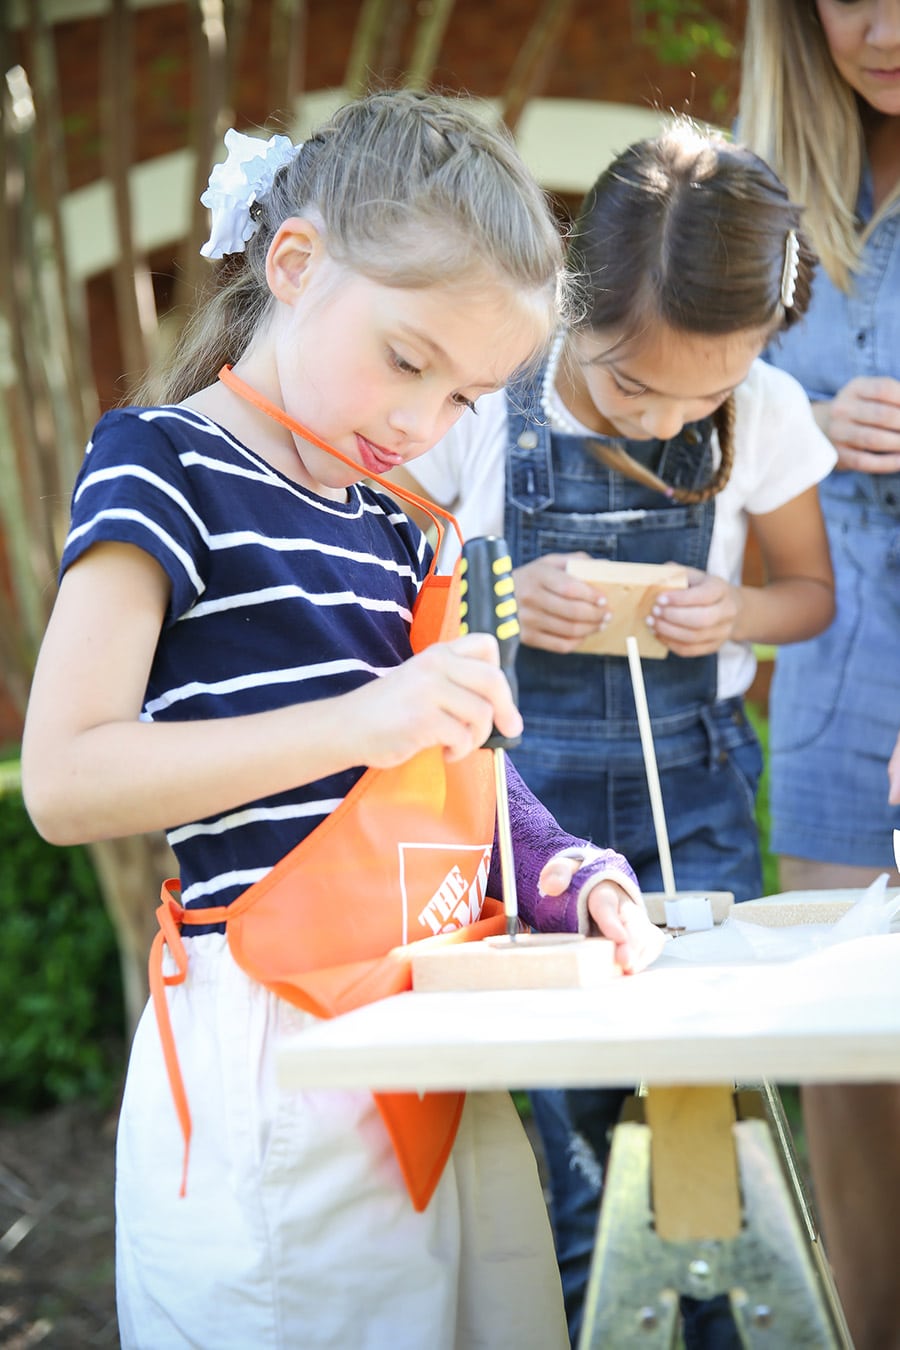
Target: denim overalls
x=581 y=751
x=581 y=755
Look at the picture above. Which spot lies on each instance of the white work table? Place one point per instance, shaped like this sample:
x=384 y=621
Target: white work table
x=830 y=1016
x=728 y=1214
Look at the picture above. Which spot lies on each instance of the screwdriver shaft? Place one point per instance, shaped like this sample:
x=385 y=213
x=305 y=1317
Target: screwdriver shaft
x=504 y=839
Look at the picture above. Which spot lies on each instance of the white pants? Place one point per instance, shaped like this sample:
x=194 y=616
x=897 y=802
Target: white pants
x=297 y=1232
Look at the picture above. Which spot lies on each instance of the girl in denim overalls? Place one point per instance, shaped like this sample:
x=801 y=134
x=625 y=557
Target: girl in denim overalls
x=653 y=435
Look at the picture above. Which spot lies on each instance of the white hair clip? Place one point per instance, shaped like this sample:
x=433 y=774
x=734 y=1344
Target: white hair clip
x=790 y=269
x=245 y=176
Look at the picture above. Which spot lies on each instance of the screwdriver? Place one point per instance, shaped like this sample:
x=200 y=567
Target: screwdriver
x=488 y=605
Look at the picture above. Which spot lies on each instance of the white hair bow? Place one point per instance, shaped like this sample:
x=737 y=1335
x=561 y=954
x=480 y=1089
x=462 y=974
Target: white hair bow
x=246 y=174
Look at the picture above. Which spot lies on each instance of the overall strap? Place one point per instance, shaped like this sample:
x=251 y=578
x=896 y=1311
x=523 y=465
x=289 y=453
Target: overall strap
x=529 y=459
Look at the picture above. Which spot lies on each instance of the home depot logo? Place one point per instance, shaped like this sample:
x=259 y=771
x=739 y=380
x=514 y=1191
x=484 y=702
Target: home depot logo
x=453 y=878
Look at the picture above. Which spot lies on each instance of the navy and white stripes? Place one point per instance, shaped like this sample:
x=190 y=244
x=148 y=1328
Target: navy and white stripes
x=278 y=596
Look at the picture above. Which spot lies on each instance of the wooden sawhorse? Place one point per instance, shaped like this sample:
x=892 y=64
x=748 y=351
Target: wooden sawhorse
x=703 y=1196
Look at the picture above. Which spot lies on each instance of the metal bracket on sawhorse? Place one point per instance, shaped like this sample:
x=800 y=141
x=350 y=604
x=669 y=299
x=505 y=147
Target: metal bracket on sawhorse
x=702 y=1197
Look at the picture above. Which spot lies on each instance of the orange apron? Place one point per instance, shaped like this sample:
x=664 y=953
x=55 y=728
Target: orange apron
x=403 y=858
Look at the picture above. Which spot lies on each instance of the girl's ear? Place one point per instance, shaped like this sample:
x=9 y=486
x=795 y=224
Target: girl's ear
x=294 y=254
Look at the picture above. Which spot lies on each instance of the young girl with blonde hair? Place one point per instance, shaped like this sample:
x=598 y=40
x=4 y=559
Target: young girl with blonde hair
x=243 y=652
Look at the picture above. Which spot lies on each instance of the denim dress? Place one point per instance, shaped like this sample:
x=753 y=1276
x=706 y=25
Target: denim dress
x=581 y=755
x=581 y=751
x=835 y=699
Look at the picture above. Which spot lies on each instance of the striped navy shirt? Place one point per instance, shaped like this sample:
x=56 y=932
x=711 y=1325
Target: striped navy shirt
x=278 y=596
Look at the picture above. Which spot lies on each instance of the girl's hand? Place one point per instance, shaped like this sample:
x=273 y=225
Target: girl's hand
x=624 y=922
x=617 y=915
x=894 y=775
x=451 y=694
x=556 y=611
x=862 y=422
x=696 y=621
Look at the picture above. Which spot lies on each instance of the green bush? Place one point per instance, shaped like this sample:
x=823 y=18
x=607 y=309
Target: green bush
x=61 y=1007
x=770 y=863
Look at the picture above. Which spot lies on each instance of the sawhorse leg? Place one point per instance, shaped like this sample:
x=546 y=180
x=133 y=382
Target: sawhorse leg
x=702 y=1197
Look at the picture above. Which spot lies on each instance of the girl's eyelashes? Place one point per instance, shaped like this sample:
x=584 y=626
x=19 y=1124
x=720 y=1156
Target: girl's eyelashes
x=407 y=368
x=624 y=390
x=400 y=363
x=714 y=400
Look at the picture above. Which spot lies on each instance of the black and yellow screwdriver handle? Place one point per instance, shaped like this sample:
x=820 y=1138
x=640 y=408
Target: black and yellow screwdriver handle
x=488 y=605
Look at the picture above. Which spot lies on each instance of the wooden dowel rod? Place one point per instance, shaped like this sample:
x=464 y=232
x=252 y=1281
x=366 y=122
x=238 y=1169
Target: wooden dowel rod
x=656 y=801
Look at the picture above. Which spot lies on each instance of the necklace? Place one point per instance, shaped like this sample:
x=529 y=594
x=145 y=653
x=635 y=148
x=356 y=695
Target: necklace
x=552 y=405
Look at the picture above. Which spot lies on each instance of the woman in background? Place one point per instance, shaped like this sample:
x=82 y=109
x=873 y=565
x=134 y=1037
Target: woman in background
x=820 y=99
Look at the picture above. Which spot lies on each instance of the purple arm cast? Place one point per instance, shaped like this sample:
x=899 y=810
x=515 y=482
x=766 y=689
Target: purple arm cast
x=536 y=838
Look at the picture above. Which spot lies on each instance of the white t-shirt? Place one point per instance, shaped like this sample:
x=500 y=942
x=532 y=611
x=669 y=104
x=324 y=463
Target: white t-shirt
x=779 y=453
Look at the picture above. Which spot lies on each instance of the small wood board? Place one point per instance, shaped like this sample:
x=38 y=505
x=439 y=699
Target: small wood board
x=530 y=961
x=631 y=590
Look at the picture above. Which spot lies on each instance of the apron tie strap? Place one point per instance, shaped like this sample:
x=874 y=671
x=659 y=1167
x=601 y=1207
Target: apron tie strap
x=171 y=916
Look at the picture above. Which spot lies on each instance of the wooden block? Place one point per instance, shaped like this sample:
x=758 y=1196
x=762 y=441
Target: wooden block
x=532 y=961
x=696 y=1196
x=722 y=903
x=800 y=907
x=631 y=590
x=783 y=914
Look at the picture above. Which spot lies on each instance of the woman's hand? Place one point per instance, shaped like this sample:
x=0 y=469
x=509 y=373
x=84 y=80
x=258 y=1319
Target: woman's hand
x=557 y=611
x=862 y=422
x=894 y=775
x=697 y=620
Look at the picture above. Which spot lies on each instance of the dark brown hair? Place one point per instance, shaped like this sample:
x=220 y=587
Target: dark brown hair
x=688 y=229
